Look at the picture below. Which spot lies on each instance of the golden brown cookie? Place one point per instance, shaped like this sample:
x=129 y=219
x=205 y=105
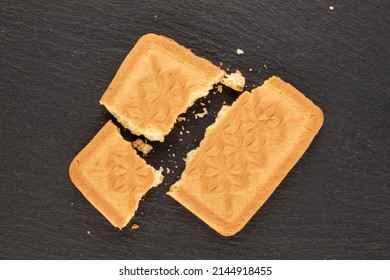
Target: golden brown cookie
x=158 y=80
x=110 y=174
x=245 y=155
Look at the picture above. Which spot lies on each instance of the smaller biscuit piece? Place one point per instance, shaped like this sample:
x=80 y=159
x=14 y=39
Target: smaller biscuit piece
x=234 y=80
x=111 y=175
x=158 y=80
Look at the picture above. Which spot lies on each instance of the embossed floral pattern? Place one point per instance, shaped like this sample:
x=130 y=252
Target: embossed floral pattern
x=233 y=151
x=123 y=171
x=160 y=95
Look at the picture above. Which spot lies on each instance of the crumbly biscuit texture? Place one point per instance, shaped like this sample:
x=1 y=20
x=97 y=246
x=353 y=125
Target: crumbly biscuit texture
x=158 y=80
x=245 y=155
x=111 y=175
x=235 y=81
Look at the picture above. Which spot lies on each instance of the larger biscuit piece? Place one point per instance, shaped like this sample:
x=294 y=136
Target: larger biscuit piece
x=246 y=154
x=110 y=174
x=158 y=80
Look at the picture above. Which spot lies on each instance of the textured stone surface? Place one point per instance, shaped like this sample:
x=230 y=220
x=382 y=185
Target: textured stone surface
x=58 y=57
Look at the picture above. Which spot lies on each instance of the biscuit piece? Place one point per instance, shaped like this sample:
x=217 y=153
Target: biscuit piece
x=111 y=175
x=158 y=80
x=141 y=146
x=234 y=80
x=245 y=155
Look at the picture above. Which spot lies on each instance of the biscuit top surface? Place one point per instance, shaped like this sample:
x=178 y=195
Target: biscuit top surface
x=111 y=175
x=246 y=153
x=157 y=81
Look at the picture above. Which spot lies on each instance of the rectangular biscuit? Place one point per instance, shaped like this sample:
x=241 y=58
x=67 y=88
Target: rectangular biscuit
x=110 y=174
x=245 y=155
x=158 y=80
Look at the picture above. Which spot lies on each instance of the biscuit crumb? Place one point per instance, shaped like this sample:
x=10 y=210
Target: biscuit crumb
x=187 y=132
x=265 y=66
x=331 y=8
x=168 y=170
x=203 y=104
x=220 y=63
x=180 y=119
x=88 y=232
x=181 y=132
x=201 y=115
x=134 y=226
x=180 y=139
x=234 y=80
x=240 y=52
x=219 y=88
x=142 y=146
x=250 y=69
x=182 y=127
x=173 y=154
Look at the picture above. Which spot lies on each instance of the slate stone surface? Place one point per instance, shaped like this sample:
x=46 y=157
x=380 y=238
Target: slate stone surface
x=58 y=57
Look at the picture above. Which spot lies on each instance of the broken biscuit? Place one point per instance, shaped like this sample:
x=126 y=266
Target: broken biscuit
x=158 y=80
x=111 y=176
x=245 y=155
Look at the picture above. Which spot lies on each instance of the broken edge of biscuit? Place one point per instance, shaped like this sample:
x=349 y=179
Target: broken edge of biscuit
x=234 y=81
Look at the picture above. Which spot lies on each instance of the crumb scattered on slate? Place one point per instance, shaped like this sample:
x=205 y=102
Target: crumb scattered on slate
x=134 y=226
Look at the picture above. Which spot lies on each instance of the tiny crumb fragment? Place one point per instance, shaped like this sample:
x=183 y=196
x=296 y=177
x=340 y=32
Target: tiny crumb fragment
x=234 y=80
x=240 y=52
x=182 y=127
x=250 y=69
x=220 y=63
x=168 y=170
x=88 y=232
x=265 y=66
x=219 y=88
x=134 y=226
x=187 y=132
x=180 y=139
x=203 y=104
x=331 y=8
x=184 y=159
x=181 y=132
x=201 y=115
x=180 y=119
x=173 y=154
x=161 y=169
x=142 y=146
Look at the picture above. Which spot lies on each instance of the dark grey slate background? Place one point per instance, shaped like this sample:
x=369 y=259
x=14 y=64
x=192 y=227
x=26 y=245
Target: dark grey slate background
x=58 y=57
